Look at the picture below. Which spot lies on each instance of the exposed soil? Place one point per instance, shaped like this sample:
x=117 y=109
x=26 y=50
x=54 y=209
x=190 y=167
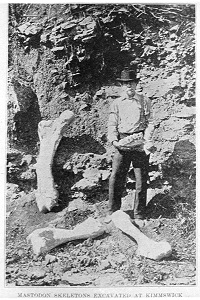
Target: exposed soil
x=109 y=260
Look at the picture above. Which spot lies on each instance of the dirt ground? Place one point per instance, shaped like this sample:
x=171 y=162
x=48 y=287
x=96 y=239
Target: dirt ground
x=109 y=260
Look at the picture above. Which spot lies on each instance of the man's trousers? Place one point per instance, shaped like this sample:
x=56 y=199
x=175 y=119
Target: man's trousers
x=120 y=167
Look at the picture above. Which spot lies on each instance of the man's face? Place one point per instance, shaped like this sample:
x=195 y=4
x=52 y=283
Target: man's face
x=129 y=87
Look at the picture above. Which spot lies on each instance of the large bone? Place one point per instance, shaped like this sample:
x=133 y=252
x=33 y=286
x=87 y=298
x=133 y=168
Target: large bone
x=50 y=134
x=45 y=239
x=146 y=247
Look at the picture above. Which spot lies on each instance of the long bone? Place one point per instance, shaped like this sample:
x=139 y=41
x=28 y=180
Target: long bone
x=45 y=239
x=50 y=134
x=146 y=247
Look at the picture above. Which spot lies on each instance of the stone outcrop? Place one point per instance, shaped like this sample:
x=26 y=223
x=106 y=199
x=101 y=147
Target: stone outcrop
x=23 y=114
x=67 y=63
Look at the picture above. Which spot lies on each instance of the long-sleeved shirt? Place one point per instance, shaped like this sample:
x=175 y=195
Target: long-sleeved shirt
x=130 y=115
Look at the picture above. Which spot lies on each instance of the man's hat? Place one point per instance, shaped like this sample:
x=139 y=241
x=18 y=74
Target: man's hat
x=128 y=75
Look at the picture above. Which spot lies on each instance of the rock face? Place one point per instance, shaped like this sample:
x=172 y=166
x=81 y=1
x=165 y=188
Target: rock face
x=72 y=62
x=23 y=113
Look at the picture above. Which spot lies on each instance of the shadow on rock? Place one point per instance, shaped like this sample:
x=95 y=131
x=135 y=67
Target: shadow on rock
x=182 y=161
x=81 y=144
x=179 y=170
x=73 y=157
x=161 y=206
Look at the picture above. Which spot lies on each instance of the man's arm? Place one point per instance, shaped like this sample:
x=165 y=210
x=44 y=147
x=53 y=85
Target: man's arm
x=150 y=125
x=113 y=123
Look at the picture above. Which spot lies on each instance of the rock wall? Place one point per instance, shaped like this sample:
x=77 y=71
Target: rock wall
x=66 y=56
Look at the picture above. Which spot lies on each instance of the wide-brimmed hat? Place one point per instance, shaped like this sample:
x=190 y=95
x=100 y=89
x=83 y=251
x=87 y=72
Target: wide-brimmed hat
x=128 y=75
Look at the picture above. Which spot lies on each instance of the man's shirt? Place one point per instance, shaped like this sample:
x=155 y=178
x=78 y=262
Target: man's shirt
x=130 y=115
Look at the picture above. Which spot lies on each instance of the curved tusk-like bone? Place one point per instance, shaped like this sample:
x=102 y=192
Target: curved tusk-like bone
x=50 y=134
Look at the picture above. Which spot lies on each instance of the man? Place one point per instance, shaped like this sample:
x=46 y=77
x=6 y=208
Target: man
x=130 y=115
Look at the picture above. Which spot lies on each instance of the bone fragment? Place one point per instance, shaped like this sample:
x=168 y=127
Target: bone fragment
x=45 y=239
x=146 y=247
x=135 y=139
x=50 y=134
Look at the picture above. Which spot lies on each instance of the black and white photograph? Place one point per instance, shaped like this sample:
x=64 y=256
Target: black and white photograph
x=100 y=193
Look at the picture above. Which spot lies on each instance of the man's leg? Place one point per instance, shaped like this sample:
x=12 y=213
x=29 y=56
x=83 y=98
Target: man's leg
x=140 y=164
x=120 y=166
